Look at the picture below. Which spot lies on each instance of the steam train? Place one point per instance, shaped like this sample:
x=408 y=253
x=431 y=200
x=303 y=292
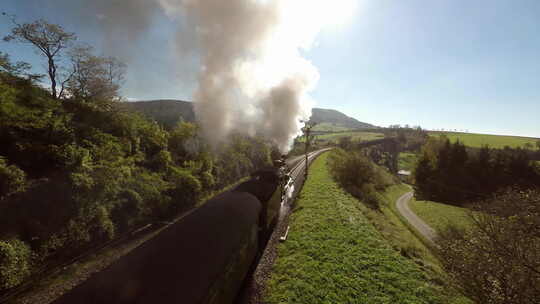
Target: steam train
x=202 y=258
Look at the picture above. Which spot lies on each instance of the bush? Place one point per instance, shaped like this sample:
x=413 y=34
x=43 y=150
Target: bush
x=15 y=263
x=185 y=193
x=127 y=211
x=12 y=179
x=359 y=176
x=498 y=259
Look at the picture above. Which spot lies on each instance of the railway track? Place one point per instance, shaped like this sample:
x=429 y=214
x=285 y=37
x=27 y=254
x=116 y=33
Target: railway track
x=254 y=286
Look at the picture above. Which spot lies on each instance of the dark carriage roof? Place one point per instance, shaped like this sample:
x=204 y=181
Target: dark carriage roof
x=262 y=185
x=178 y=265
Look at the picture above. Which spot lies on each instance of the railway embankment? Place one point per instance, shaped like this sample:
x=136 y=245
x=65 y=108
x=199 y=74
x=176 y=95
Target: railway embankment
x=334 y=254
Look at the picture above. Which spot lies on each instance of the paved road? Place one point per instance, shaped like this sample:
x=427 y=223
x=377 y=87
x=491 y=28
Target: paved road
x=421 y=226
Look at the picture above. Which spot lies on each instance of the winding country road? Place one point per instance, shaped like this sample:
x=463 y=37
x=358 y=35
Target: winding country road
x=403 y=207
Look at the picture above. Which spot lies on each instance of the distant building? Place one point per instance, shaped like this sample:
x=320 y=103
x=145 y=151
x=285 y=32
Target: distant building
x=404 y=175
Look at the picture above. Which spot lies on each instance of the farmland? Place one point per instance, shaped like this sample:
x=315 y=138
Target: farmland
x=355 y=136
x=494 y=141
x=335 y=255
x=330 y=127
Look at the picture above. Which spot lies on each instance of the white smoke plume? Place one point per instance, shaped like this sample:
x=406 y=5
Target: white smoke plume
x=253 y=78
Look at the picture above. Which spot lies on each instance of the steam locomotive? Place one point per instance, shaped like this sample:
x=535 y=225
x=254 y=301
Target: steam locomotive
x=202 y=258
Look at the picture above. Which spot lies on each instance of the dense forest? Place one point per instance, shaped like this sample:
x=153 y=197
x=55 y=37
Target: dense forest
x=78 y=169
x=453 y=174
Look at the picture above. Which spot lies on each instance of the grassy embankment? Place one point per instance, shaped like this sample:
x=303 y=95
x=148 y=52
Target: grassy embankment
x=494 y=141
x=440 y=216
x=335 y=255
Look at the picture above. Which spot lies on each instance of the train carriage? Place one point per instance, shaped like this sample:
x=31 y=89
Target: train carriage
x=203 y=258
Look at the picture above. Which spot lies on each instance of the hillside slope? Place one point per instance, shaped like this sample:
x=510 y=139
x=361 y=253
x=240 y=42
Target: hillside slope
x=164 y=111
x=337 y=119
x=169 y=111
x=334 y=255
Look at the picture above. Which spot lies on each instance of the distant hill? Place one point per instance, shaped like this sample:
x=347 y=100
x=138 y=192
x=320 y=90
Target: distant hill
x=328 y=119
x=169 y=111
x=164 y=111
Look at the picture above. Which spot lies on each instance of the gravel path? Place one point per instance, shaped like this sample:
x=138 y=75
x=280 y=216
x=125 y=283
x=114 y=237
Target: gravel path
x=421 y=226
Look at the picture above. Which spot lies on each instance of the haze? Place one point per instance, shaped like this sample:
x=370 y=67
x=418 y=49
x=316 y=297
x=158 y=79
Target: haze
x=439 y=64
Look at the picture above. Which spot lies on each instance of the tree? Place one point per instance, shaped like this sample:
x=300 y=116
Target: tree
x=538 y=144
x=345 y=142
x=528 y=146
x=422 y=177
x=182 y=141
x=15 y=263
x=12 y=179
x=7 y=66
x=94 y=77
x=498 y=259
x=51 y=40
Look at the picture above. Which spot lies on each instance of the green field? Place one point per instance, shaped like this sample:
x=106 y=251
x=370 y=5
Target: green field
x=440 y=216
x=407 y=161
x=329 y=127
x=335 y=255
x=355 y=136
x=494 y=141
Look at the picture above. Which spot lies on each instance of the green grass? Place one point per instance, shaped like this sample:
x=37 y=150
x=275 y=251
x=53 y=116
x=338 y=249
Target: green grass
x=329 y=127
x=494 y=141
x=335 y=255
x=395 y=231
x=440 y=216
x=407 y=161
x=410 y=243
x=355 y=135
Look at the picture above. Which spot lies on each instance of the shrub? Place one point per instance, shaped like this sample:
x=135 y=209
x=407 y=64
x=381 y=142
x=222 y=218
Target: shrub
x=127 y=210
x=186 y=191
x=15 y=263
x=359 y=176
x=12 y=179
x=498 y=259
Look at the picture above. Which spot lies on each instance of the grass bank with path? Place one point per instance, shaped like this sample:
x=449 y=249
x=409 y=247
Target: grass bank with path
x=440 y=216
x=334 y=254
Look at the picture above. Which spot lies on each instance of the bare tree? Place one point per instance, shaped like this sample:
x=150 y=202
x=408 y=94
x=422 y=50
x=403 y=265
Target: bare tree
x=498 y=259
x=94 y=77
x=16 y=68
x=51 y=41
x=116 y=71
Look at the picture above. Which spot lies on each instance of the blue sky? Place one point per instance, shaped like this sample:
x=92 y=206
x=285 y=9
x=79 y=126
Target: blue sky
x=450 y=64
